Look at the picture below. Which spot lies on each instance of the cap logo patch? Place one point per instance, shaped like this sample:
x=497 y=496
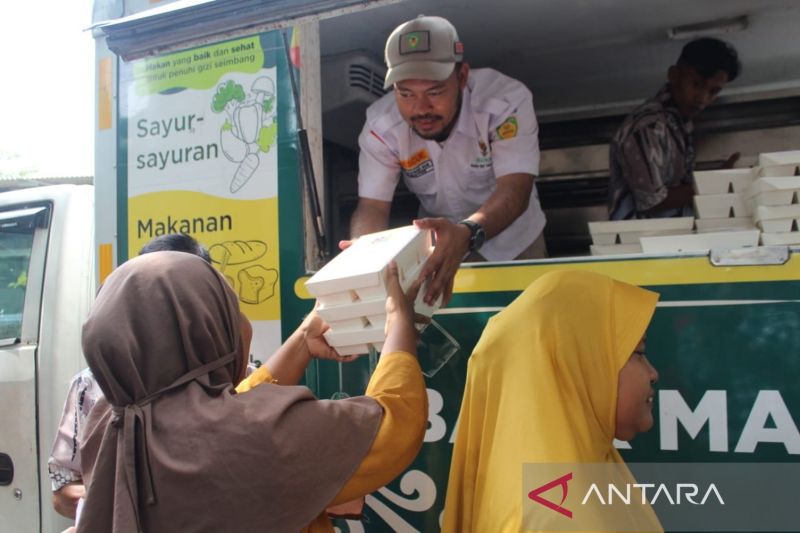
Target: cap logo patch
x=507 y=129
x=458 y=47
x=415 y=42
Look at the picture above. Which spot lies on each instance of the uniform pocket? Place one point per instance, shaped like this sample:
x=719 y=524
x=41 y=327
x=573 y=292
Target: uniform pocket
x=479 y=183
x=424 y=187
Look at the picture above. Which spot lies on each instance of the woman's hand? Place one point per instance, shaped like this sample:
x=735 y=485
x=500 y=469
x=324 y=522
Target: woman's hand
x=313 y=329
x=401 y=335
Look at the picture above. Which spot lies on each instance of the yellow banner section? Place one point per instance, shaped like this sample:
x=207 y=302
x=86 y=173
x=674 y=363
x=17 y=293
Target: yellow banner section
x=105 y=90
x=105 y=254
x=241 y=237
x=643 y=272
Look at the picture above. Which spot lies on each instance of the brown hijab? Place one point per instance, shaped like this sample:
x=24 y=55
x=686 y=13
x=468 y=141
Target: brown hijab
x=174 y=448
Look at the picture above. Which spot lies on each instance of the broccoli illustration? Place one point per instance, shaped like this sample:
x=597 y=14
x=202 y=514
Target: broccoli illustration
x=267 y=104
x=227 y=98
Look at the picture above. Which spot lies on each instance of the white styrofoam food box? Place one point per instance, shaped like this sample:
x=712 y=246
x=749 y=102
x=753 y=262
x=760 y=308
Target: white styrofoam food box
x=641 y=225
x=775 y=191
x=774 y=212
x=704 y=225
x=779 y=158
x=631 y=237
x=335 y=313
x=777 y=239
x=359 y=272
x=357 y=324
x=615 y=249
x=723 y=181
x=721 y=205
x=358 y=349
x=779 y=225
x=777 y=171
x=699 y=242
x=362 y=336
x=349 y=324
x=341 y=316
x=351 y=288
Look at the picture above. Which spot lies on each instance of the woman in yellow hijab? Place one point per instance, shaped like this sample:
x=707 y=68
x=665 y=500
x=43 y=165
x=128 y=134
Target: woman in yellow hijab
x=554 y=378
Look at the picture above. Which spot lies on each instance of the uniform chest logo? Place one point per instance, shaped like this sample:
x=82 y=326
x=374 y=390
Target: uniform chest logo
x=485 y=159
x=507 y=129
x=418 y=164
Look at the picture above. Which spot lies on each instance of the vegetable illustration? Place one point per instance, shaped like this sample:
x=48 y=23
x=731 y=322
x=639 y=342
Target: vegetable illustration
x=233 y=147
x=245 y=171
x=266 y=137
x=248 y=120
x=227 y=98
x=250 y=126
x=264 y=90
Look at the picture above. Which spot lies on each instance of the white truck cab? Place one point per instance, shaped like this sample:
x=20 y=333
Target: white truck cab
x=46 y=287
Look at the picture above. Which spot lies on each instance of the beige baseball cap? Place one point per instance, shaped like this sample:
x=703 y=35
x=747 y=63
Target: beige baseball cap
x=425 y=48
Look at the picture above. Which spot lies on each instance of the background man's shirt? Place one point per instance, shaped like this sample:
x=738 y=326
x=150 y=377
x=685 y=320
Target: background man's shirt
x=652 y=151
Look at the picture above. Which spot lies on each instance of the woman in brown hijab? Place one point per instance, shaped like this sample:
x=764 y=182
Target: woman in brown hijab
x=176 y=449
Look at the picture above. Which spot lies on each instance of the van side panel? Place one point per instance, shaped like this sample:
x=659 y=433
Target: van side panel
x=68 y=293
x=19 y=501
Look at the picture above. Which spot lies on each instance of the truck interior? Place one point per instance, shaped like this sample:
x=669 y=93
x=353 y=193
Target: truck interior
x=587 y=63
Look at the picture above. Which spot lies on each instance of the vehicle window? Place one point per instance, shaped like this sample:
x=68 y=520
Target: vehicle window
x=16 y=242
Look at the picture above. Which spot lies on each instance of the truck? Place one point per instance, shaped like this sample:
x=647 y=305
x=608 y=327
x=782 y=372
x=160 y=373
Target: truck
x=236 y=121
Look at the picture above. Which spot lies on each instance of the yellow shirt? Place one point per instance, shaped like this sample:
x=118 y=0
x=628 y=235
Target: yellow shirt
x=398 y=386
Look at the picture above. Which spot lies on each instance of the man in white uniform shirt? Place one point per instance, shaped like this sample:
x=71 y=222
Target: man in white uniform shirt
x=465 y=142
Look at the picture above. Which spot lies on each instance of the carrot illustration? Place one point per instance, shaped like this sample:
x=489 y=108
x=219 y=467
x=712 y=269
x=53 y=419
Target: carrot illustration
x=244 y=172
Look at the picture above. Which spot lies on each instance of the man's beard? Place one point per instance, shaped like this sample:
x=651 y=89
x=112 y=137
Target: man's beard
x=442 y=135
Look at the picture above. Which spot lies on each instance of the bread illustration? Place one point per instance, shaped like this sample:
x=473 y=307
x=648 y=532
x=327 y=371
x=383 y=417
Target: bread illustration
x=257 y=284
x=236 y=252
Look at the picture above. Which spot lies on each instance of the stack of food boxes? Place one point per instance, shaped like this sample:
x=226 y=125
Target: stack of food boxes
x=775 y=198
x=627 y=236
x=720 y=200
x=724 y=216
x=734 y=207
x=351 y=288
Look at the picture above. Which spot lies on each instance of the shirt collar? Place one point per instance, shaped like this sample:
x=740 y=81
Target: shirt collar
x=466 y=122
x=664 y=97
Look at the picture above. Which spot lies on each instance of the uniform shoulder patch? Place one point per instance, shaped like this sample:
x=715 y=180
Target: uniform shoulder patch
x=508 y=128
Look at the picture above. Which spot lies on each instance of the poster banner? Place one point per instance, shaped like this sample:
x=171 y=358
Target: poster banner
x=202 y=130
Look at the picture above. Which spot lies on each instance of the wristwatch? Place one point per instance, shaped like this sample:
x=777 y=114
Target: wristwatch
x=476 y=234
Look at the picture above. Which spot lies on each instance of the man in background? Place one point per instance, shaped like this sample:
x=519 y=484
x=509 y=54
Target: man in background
x=652 y=155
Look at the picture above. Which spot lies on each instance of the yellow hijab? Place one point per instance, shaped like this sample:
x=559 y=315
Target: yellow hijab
x=542 y=388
